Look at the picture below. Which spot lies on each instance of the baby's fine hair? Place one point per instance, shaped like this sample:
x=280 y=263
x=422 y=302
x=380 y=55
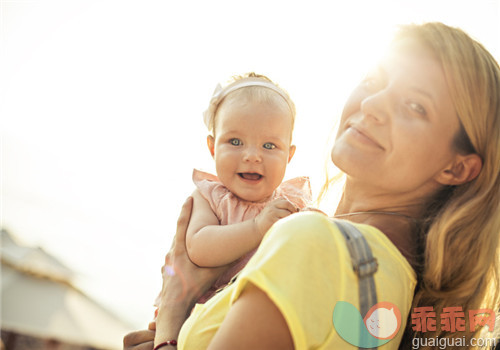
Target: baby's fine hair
x=250 y=86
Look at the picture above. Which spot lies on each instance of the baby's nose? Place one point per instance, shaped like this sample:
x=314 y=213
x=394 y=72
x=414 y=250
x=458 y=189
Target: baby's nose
x=252 y=154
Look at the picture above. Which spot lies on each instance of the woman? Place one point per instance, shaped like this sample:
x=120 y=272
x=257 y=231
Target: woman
x=419 y=142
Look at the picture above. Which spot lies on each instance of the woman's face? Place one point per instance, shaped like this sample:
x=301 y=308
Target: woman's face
x=397 y=127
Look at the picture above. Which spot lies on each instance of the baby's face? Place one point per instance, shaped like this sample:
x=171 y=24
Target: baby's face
x=252 y=148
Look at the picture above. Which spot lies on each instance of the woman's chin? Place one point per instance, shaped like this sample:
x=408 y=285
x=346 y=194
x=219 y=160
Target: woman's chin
x=342 y=158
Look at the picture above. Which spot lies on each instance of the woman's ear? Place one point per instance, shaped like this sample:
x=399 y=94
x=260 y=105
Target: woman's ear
x=465 y=168
x=211 y=145
x=291 y=152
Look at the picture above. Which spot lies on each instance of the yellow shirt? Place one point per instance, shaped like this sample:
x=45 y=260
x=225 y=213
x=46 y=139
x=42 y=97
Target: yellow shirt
x=303 y=265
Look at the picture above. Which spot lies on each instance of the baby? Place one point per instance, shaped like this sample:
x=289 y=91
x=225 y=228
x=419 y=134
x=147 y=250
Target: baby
x=250 y=123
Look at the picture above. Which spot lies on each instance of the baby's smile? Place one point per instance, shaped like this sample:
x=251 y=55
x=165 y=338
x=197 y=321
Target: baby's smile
x=250 y=176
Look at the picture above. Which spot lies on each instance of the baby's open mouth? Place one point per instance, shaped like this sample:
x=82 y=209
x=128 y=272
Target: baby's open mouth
x=250 y=176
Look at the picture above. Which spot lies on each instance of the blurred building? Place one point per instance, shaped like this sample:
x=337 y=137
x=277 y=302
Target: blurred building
x=42 y=309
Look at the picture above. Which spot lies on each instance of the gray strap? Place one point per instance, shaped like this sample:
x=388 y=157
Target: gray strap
x=363 y=263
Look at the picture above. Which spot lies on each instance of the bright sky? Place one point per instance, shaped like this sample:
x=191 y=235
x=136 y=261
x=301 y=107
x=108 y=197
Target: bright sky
x=101 y=104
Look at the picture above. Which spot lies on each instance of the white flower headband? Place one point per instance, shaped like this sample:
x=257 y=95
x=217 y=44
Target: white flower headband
x=220 y=93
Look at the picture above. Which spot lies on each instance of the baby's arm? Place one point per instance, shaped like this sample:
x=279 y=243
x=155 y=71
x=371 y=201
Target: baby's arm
x=210 y=244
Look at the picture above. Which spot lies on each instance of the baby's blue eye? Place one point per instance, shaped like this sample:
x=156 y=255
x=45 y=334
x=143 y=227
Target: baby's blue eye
x=235 y=142
x=269 y=145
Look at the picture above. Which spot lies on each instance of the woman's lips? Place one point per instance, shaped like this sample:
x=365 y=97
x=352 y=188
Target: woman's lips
x=362 y=136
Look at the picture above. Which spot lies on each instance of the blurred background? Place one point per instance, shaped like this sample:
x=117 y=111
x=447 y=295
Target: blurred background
x=101 y=125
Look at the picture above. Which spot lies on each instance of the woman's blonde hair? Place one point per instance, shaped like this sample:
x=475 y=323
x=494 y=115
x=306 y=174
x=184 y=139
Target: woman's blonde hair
x=462 y=225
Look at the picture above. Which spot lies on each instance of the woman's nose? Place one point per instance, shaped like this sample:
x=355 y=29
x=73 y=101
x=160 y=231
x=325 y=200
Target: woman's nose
x=378 y=105
x=252 y=154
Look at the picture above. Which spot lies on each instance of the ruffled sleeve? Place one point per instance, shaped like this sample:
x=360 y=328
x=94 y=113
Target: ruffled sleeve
x=297 y=191
x=211 y=189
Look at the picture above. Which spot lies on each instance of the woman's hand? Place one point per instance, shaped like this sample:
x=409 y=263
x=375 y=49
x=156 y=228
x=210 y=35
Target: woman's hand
x=183 y=282
x=182 y=279
x=140 y=340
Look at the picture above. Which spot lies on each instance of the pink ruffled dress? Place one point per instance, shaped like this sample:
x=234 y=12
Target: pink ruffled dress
x=230 y=209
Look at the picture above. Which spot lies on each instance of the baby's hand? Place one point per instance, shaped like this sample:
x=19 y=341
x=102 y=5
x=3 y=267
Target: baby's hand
x=272 y=212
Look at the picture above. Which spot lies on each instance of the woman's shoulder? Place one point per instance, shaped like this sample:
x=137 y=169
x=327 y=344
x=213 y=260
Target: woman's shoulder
x=307 y=230
x=305 y=221
x=311 y=230
x=314 y=223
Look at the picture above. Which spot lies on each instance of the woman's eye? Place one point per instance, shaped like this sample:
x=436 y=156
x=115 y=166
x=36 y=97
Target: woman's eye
x=416 y=107
x=235 y=142
x=269 y=145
